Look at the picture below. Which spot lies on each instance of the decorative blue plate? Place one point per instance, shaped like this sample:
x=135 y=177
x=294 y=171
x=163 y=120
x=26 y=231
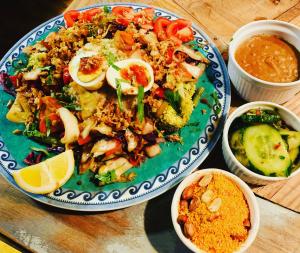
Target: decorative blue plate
x=156 y=175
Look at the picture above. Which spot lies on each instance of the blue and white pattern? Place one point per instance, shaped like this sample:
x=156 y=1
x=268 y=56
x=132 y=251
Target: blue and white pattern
x=109 y=200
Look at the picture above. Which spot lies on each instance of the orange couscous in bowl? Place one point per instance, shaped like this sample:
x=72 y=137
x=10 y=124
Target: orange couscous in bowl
x=213 y=214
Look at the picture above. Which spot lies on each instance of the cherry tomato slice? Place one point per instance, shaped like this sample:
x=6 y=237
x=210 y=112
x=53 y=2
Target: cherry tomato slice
x=70 y=17
x=185 y=34
x=180 y=30
x=89 y=14
x=160 y=27
x=124 y=15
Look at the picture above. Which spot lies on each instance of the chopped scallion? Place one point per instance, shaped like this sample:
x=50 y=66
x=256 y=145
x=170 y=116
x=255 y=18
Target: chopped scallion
x=48 y=126
x=119 y=93
x=140 y=102
x=111 y=59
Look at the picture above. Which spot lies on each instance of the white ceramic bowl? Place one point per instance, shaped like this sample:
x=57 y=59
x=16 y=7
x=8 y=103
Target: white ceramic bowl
x=233 y=164
x=249 y=196
x=249 y=87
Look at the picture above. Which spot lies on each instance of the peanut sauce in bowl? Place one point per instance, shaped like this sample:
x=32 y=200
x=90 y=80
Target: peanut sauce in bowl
x=269 y=58
x=264 y=62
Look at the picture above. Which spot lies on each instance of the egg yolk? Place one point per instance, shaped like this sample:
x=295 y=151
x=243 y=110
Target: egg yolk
x=136 y=74
x=90 y=68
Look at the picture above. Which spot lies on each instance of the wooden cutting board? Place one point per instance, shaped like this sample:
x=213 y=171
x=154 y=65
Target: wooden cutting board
x=220 y=19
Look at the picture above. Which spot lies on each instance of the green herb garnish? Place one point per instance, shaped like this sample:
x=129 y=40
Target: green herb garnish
x=107 y=178
x=71 y=106
x=40 y=150
x=111 y=60
x=261 y=116
x=48 y=126
x=174 y=99
x=92 y=30
x=281 y=157
x=66 y=99
x=50 y=79
x=140 y=102
x=32 y=132
x=119 y=94
x=106 y=9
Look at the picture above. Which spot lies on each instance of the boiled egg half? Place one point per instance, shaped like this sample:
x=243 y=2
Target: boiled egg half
x=129 y=75
x=88 y=67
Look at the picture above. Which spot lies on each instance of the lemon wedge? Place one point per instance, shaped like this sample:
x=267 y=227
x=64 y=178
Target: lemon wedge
x=61 y=167
x=47 y=176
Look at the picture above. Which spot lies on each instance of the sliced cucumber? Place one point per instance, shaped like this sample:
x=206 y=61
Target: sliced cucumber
x=240 y=154
x=236 y=144
x=266 y=150
x=293 y=138
x=236 y=140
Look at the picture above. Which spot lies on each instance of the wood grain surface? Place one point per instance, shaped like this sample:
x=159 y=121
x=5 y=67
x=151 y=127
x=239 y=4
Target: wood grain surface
x=147 y=227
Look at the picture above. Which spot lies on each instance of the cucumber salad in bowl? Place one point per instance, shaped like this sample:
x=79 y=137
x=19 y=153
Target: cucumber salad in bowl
x=262 y=141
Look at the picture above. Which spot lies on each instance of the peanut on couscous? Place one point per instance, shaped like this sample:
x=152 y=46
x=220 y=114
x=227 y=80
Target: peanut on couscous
x=214 y=214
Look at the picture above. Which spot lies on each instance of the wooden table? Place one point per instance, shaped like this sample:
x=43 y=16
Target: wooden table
x=147 y=227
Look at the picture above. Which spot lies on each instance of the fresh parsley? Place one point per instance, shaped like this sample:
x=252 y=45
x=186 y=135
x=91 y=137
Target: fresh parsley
x=107 y=178
x=140 y=102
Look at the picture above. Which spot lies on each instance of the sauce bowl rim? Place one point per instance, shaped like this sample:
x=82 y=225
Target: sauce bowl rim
x=235 y=37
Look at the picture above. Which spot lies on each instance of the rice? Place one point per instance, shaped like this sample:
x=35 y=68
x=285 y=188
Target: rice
x=211 y=227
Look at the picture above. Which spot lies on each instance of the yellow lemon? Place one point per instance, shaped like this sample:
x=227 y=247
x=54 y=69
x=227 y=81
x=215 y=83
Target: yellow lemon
x=35 y=179
x=61 y=167
x=47 y=176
